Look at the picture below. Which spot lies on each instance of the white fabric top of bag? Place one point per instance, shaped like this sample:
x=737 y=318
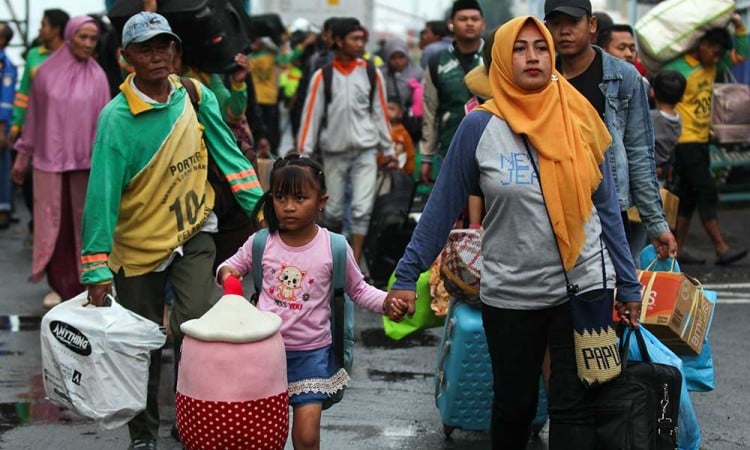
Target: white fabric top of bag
x=235 y=320
x=674 y=26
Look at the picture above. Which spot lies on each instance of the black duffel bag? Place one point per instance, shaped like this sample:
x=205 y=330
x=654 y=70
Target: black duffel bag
x=638 y=410
x=212 y=31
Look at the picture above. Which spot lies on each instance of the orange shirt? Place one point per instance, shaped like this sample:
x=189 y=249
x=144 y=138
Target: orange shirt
x=404 y=148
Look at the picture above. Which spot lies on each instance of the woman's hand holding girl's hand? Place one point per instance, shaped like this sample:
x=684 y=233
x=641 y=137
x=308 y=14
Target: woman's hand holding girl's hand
x=405 y=299
x=228 y=271
x=394 y=308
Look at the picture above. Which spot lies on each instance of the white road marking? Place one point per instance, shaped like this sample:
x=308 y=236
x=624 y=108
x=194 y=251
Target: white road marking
x=722 y=286
x=734 y=301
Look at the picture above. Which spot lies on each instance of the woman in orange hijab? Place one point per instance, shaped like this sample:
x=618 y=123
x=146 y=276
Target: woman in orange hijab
x=553 y=238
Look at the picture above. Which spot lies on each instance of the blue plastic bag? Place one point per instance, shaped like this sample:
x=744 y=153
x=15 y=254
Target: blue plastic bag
x=689 y=432
x=699 y=369
x=650 y=261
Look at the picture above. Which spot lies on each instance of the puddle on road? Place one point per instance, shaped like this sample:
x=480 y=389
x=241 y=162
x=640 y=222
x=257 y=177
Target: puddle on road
x=26 y=392
x=32 y=407
x=396 y=375
x=15 y=323
x=376 y=338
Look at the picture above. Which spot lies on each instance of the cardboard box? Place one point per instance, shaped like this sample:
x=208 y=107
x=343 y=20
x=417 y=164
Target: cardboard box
x=670 y=203
x=264 y=166
x=675 y=310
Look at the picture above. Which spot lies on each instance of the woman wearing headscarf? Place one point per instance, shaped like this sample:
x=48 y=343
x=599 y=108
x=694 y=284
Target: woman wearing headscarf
x=69 y=91
x=553 y=240
x=403 y=80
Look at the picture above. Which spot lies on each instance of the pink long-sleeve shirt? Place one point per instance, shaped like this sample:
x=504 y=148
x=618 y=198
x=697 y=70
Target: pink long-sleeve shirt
x=298 y=284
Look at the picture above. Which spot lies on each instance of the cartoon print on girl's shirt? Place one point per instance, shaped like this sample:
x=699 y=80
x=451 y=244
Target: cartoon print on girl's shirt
x=288 y=291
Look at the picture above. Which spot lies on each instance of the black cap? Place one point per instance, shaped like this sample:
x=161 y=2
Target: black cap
x=342 y=26
x=460 y=5
x=573 y=8
x=604 y=21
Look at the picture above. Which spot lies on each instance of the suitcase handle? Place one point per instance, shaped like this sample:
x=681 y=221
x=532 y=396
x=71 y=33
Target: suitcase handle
x=440 y=373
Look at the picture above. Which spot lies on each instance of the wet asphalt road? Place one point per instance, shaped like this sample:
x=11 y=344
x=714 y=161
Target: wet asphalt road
x=390 y=404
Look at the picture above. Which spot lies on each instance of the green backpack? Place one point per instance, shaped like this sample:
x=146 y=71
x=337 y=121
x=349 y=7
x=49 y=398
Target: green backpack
x=342 y=308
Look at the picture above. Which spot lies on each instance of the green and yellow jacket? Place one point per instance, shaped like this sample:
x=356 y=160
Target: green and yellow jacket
x=148 y=189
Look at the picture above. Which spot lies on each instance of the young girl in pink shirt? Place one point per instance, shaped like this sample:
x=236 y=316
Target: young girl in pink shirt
x=297 y=268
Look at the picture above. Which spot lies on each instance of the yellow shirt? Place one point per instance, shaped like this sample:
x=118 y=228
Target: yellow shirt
x=263 y=70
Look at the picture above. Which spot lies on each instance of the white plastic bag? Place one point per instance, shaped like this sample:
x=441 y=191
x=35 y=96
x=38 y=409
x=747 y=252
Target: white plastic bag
x=674 y=26
x=95 y=360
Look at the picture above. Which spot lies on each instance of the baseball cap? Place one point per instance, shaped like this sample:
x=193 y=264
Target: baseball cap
x=144 y=26
x=572 y=8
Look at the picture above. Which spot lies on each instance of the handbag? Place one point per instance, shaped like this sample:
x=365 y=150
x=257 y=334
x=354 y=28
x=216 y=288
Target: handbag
x=639 y=410
x=730 y=103
x=461 y=264
x=594 y=336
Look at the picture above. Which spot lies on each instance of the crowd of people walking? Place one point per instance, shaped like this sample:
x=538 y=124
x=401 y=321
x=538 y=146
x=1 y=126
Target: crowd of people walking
x=544 y=133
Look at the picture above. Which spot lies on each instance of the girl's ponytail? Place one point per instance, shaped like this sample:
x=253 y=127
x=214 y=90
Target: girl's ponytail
x=260 y=207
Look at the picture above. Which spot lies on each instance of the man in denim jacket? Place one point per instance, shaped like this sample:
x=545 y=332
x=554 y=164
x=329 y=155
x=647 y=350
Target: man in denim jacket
x=614 y=88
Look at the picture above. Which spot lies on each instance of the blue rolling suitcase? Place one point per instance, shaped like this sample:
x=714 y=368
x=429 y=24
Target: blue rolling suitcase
x=463 y=377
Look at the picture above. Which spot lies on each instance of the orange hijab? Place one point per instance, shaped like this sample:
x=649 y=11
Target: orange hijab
x=566 y=130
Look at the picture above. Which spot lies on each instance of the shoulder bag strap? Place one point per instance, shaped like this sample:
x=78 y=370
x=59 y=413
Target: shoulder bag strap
x=571 y=289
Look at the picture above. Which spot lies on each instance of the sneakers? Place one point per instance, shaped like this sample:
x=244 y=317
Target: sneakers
x=51 y=300
x=142 y=444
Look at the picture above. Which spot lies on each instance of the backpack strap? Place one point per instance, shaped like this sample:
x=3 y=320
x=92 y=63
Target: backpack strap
x=432 y=65
x=215 y=176
x=192 y=92
x=328 y=90
x=372 y=77
x=338 y=250
x=259 y=246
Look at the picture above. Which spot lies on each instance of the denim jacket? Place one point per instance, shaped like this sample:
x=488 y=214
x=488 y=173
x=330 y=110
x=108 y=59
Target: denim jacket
x=631 y=154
